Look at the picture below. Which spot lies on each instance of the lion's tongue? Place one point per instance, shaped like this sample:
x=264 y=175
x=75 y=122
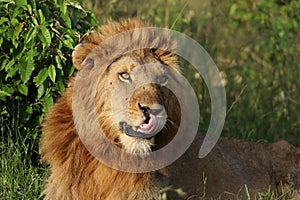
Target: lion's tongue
x=154 y=125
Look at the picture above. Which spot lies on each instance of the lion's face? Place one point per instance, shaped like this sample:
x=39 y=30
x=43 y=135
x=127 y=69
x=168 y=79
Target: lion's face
x=134 y=108
x=134 y=102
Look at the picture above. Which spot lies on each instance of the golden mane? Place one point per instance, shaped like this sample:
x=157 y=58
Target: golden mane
x=160 y=46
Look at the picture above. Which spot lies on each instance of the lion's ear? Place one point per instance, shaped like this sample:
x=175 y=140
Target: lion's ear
x=82 y=50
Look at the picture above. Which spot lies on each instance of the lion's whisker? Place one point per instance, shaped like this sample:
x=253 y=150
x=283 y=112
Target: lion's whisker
x=170 y=122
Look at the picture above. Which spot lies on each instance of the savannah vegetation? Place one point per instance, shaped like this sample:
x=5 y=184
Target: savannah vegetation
x=255 y=45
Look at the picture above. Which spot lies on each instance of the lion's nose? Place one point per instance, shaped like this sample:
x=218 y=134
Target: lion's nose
x=146 y=112
x=153 y=109
x=144 y=109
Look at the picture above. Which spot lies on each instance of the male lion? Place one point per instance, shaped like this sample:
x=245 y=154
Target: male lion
x=150 y=122
x=118 y=110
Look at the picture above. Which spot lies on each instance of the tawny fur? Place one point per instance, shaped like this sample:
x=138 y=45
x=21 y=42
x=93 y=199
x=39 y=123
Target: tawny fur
x=74 y=172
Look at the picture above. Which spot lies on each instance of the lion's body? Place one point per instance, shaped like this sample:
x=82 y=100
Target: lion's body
x=74 y=172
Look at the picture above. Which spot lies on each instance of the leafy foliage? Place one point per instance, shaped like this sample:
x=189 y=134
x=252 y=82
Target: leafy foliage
x=37 y=39
x=261 y=55
x=36 y=42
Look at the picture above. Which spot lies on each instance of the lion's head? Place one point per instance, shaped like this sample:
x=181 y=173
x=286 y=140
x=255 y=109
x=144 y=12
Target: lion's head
x=134 y=108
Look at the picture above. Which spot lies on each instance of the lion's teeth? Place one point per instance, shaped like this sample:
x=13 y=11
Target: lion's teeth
x=134 y=128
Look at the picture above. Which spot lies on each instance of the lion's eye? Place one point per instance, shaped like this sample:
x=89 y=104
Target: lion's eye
x=124 y=76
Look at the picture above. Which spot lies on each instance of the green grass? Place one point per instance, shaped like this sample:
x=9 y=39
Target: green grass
x=287 y=193
x=21 y=174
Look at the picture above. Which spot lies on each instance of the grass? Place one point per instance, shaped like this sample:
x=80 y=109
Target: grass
x=21 y=174
x=287 y=193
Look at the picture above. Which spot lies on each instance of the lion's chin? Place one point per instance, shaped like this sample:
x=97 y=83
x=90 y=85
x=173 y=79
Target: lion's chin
x=136 y=145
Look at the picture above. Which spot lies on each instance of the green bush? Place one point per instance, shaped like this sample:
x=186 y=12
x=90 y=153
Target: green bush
x=255 y=46
x=37 y=39
x=36 y=42
x=261 y=61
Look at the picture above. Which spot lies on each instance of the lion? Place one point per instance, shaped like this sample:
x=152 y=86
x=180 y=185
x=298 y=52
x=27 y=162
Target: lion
x=151 y=121
x=117 y=110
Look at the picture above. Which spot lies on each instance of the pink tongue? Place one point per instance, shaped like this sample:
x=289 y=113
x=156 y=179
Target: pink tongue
x=154 y=125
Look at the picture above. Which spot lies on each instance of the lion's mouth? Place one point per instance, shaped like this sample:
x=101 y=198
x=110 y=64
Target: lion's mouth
x=146 y=130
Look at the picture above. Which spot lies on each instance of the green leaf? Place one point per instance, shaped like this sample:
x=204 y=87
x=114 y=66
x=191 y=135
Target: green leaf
x=23 y=89
x=66 y=19
x=30 y=35
x=45 y=37
x=29 y=110
x=31 y=54
x=16 y=13
x=48 y=101
x=3 y=30
x=41 y=77
x=5 y=90
x=41 y=91
x=20 y=3
x=63 y=6
x=17 y=31
x=12 y=72
x=72 y=70
x=33 y=4
x=10 y=64
x=3 y=19
x=232 y=10
x=26 y=70
x=11 y=69
x=3 y=94
x=60 y=85
x=58 y=62
x=29 y=9
x=34 y=21
x=3 y=64
x=52 y=72
x=68 y=41
x=14 y=21
x=41 y=17
x=5 y=1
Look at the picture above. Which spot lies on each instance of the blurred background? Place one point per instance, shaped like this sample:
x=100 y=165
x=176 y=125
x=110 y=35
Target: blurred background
x=255 y=45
